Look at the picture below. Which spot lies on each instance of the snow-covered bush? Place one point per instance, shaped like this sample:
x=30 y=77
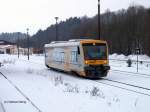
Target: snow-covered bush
x=8 y=61
x=58 y=80
x=71 y=88
x=97 y=92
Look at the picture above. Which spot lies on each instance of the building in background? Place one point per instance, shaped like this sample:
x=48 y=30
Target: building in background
x=7 y=47
x=11 y=48
x=38 y=50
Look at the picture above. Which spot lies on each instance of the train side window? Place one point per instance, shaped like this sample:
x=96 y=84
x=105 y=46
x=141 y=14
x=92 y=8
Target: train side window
x=74 y=56
x=62 y=57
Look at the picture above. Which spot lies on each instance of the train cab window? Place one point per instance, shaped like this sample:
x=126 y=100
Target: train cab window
x=96 y=51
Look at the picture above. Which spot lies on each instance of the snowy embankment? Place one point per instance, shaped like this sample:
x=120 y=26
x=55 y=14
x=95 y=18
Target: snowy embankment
x=53 y=91
x=132 y=57
x=118 y=62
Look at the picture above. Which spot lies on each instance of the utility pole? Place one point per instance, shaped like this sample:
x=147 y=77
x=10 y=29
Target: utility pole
x=99 y=24
x=138 y=52
x=56 y=28
x=28 y=41
x=18 y=44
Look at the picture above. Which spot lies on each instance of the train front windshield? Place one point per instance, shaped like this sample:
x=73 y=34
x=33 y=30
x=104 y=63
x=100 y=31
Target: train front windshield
x=95 y=51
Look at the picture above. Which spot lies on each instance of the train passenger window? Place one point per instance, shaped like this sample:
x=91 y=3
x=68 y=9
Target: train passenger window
x=55 y=56
x=62 y=56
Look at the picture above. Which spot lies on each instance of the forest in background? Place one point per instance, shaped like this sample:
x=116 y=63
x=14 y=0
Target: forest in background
x=124 y=30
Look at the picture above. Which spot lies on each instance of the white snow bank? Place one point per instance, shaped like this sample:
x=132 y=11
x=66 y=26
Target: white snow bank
x=141 y=57
x=118 y=57
x=132 y=57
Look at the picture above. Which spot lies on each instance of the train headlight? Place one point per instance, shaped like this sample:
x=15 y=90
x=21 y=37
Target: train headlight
x=105 y=61
x=86 y=62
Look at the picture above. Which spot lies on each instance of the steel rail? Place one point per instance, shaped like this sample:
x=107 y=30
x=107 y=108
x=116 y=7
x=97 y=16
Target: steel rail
x=121 y=83
x=123 y=88
x=140 y=87
x=141 y=74
x=27 y=98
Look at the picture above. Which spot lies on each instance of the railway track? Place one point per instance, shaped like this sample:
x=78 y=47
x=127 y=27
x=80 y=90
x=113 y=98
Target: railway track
x=125 y=72
x=122 y=83
x=136 y=89
x=110 y=70
x=140 y=87
x=22 y=93
x=129 y=73
x=2 y=107
x=125 y=88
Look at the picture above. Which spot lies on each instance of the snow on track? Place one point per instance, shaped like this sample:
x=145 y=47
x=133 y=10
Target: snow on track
x=20 y=92
x=58 y=92
x=124 y=86
x=130 y=79
x=2 y=109
x=12 y=100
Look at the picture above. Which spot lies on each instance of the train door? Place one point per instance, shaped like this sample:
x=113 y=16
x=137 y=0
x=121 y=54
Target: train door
x=75 y=59
x=67 y=58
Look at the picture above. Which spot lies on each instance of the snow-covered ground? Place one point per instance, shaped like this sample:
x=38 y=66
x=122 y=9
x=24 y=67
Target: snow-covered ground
x=31 y=87
x=143 y=63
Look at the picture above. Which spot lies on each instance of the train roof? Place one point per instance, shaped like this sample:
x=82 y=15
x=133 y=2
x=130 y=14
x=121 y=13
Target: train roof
x=73 y=42
x=59 y=44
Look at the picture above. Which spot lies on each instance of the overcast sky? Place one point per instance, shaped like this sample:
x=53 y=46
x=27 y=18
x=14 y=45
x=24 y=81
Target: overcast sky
x=17 y=15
